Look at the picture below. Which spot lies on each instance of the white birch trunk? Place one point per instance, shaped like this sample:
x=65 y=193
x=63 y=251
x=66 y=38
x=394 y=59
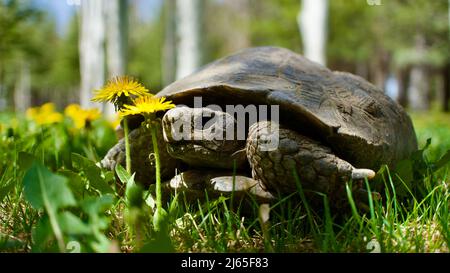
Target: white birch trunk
x=418 y=89
x=312 y=21
x=188 y=32
x=116 y=38
x=22 y=92
x=92 y=51
x=239 y=27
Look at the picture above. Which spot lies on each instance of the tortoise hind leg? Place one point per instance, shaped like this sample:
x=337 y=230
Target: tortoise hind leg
x=318 y=169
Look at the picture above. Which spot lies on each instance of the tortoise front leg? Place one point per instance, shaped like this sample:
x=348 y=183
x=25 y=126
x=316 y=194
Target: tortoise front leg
x=318 y=169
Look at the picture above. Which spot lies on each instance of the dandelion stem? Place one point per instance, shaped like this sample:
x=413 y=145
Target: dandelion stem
x=127 y=146
x=157 y=166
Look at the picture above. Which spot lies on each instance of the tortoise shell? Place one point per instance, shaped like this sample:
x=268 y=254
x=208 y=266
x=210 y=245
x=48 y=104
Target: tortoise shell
x=345 y=112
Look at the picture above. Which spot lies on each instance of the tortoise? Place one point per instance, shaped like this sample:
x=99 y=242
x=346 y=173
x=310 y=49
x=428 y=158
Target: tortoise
x=332 y=127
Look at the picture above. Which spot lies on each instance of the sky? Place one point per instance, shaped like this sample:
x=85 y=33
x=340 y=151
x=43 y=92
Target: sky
x=63 y=10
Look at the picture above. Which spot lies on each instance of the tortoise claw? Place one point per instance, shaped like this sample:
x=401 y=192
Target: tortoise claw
x=358 y=174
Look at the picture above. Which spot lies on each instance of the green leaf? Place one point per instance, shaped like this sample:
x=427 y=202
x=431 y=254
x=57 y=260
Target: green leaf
x=133 y=192
x=42 y=235
x=161 y=243
x=98 y=221
x=123 y=175
x=404 y=170
x=109 y=176
x=134 y=195
x=445 y=159
x=72 y=225
x=95 y=206
x=25 y=160
x=102 y=244
x=80 y=162
x=94 y=175
x=160 y=220
x=76 y=183
x=43 y=188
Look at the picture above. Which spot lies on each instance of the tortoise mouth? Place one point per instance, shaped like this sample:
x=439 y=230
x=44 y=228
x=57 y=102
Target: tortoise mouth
x=196 y=154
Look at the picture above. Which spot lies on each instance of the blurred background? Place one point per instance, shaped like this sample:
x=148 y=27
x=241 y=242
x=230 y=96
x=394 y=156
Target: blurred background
x=62 y=50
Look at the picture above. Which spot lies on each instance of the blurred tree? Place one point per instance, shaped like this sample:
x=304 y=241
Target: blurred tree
x=419 y=41
x=373 y=41
x=313 y=25
x=273 y=22
x=145 y=50
x=351 y=40
x=22 y=91
x=65 y=71
x=419 y=84
x=169 y=62
x=116 y=42
x=227 y=28
x=188 y=27
x=446 y=72
x=92 y=49
x=24 y=66
x=446 y=88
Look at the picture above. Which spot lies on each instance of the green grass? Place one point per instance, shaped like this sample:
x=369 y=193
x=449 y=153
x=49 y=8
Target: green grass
x=99 y=219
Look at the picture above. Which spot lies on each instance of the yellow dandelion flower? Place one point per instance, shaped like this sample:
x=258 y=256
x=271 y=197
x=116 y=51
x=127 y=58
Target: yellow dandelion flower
x=146 y=105
x=54 y=117
x=72 y=110
x=119 y=88
x=81 y=117
x=48 y=107
x=44 y=114
x=31 y=112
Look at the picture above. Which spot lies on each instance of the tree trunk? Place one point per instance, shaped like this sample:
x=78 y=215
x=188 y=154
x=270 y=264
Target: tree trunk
x=239 y=26
x=3 y=95
x=116 y=42
x=362 y=70
x=403 y=81
x=312 y=21
x=419 y=81
x=169 y=61
x=22 y=92
x=188 y=32
x=380 y=69
x=92 y=51
x=446 y=88
x=418 y=89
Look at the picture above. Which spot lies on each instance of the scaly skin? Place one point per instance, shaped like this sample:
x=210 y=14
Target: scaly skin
x=318 y=169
